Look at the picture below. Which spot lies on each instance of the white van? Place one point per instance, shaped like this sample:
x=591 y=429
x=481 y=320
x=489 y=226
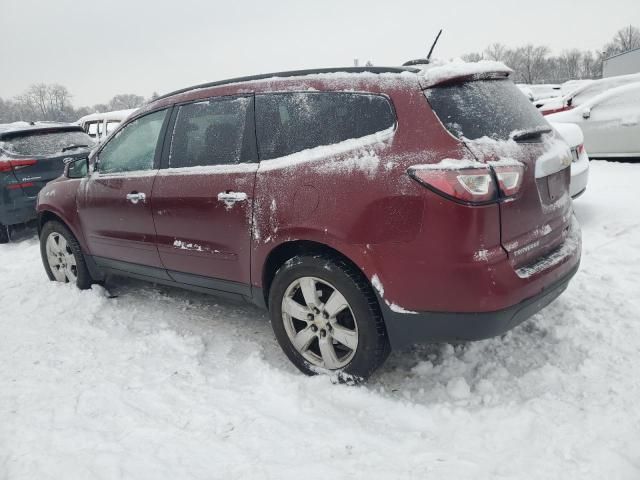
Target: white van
x=100 y=125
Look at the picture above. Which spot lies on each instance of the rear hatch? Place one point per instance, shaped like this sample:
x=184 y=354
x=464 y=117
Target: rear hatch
x=32 y=157
x=496 y=122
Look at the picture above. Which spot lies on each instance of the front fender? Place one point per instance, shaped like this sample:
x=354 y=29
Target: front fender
x=59 y=198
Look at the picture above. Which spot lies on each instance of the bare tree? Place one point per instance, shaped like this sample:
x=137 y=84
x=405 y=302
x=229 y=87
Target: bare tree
x=625 y=39
x=570 y=62
x=126 y=101
x=496 y=51
x=472 y=57
x=533 y=60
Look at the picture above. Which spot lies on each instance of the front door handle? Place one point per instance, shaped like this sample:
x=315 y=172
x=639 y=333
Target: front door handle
x=135 y=197
x=229 y=198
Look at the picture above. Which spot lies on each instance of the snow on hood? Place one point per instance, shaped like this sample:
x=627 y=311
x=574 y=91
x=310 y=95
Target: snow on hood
x=438 y=71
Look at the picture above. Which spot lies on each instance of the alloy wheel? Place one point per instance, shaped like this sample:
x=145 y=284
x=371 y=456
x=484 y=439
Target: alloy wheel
x=62 y=261
x=320 y=323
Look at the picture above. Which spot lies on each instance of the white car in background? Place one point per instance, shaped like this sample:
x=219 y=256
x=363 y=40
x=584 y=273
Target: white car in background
x=100 y=125
x=585 y=92
x=572 y=134
x=610 y=122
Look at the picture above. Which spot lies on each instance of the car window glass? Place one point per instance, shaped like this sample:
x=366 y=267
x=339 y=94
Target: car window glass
x=100 y=124
x=46 y=143
x=210 y=133
x=92 y=128
x=291 y=122
x=112 y=125
x=134 y=147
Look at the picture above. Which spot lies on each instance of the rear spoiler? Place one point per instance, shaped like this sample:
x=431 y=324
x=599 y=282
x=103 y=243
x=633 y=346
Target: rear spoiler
x=458 y=71
x=23 y=132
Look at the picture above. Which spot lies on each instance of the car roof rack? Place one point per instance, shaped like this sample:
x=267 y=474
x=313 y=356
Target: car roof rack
x=292 y=73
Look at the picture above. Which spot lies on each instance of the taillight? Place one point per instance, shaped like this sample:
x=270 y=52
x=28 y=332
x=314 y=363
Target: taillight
x=474 y=185
x=470 y=185
x=8 y=165
x=580 y=149
x=16 y=186
x=564 y=108
x=509 y=178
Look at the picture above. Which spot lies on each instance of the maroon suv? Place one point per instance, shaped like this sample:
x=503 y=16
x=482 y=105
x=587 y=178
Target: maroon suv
x=367 y=209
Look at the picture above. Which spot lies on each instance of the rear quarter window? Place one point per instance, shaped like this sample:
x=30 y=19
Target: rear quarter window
x=45 y=143
x=484 y=108
x=292 y=122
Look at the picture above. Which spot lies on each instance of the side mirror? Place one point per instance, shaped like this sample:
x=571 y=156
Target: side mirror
x=76 y=167
x=586 y=113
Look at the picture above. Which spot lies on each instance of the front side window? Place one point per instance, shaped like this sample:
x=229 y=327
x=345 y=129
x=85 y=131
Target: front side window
x=291 y=122
x=134 y=147
x=212 y=132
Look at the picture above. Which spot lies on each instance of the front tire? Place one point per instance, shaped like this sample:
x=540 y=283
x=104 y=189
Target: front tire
x=327 y=319
x=62 y=257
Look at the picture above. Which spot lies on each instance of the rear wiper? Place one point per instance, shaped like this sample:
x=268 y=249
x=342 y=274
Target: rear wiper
x=520 y=135
x=71 y=147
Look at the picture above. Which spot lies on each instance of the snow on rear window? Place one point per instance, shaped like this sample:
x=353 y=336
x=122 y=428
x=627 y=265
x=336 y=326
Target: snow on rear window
x=484 y=108
x=40 y=144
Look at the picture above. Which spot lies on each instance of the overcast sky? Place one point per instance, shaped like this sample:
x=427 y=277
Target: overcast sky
x=101 y=48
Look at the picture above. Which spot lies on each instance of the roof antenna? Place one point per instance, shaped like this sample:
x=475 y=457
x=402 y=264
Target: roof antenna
x=424 y=61
x=433 y=45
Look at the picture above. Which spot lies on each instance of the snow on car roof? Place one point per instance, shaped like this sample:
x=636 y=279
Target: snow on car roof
x=113 y=115
x=438 y=72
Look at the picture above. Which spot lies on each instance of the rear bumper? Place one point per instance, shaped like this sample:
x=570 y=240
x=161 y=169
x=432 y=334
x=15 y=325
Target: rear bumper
x=408 y=328
x=20 y=210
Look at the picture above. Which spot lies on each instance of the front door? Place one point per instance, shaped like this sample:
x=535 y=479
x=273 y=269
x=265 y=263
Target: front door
x=114 y=201
x=202 y=203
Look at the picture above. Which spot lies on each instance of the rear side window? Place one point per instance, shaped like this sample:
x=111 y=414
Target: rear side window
x=491 y=108
x=49 y=143
x=290 y=122
x=213 y=132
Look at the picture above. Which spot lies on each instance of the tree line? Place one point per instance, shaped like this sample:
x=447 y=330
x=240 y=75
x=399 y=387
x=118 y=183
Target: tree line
x=53 y=103
x=535 y=64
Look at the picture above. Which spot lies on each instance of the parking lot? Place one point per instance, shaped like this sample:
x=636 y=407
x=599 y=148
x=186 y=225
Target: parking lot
x=152 y=382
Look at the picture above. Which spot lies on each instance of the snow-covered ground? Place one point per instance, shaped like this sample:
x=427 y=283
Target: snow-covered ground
x=160 y=383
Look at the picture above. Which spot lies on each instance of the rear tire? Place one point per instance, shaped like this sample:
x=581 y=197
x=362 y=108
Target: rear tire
x=4 y=233
x=62 y=257
x=327 y=319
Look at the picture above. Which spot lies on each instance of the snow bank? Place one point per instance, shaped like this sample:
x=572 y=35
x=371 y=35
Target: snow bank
x=165 y=384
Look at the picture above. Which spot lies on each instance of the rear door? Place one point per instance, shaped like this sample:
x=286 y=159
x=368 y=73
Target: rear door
x=202 y=202
x=114 y=202
x=497 y=123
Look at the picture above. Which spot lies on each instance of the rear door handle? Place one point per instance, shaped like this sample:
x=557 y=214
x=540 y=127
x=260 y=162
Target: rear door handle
x=229 y=198
x=135 y=197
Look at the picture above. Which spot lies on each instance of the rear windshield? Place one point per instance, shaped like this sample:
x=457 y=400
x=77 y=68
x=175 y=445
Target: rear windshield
x=491 y=108
x=45 y=143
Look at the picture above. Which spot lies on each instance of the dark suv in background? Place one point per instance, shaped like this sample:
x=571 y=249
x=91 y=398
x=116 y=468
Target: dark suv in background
x=367 y=209
x=32 y=154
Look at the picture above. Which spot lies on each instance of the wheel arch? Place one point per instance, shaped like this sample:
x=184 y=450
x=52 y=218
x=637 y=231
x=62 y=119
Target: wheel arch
x=287 y=250
x=47 y=215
